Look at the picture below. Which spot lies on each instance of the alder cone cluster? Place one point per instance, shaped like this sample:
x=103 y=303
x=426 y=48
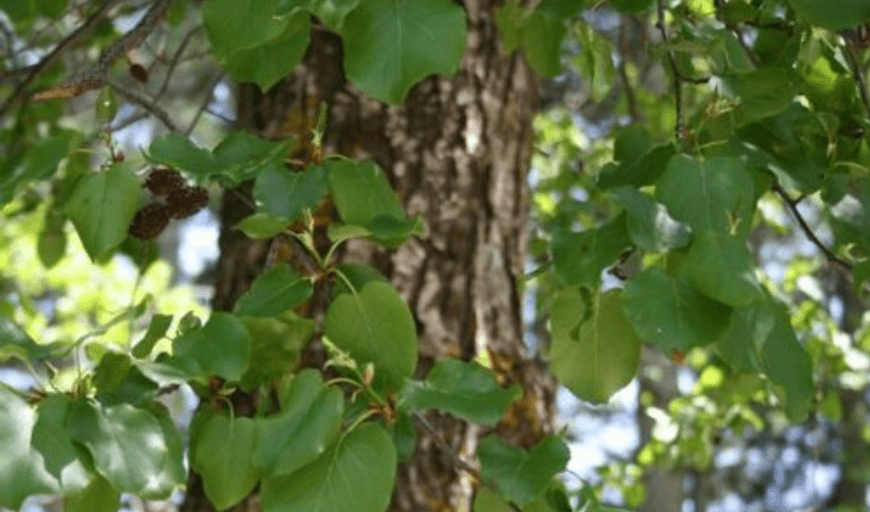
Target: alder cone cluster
x=186 y=201
x=162 y=182
x=150 y=221
x=181 y=201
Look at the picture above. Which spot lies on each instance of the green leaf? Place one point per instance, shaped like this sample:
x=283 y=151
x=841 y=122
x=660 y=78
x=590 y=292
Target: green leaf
x=373 y=324
x=107 y=105
x=630 y=6
x=715 y=194
x=22 y=472
x=510 y=17
x=101 y=207
x=521 y=475
x=51 y=439
x=156 y=330
x=359 y=469
x=51 y=245
x=488 y=501
x=262 y=225
x=177 y=151
x=235 y=25
x=639 y=173
x=542 y=37
x=332 y=12
x=98 y=496
x=363 y=197
x=463 y=389
x=221 y=347
x=592 y=357
x=562 y=9
x=579 y=258
x=221 y=453
x=288 y=194
x=388 y=44
x=670 y=313
x=361 y=192
x=309 y=422
x=268 y=63
x=787 y=364
x=276 y=290
x=118 y=381
x=242 y=156
x=720 y=267
x=833 y=15
x=15 y=343
x=650 y=227
x=763 y=92
x=109 y=432
x=275 y=346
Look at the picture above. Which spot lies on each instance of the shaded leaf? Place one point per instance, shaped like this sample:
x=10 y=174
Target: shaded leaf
x=650 y=227
x=670 y=313
x=275 y=346
x=720 y=267
x=221 y=347
x=127 y=445
x=715 y=194
x=374 y=324
x=101 y=207
x=287 y=194
x=306 y=426
x=521 y=475
x=463 y=389
x=221 y=453
x=275 y=291
x=156 y=330
x=98 y=496
x=579 y=258
x=360 y=469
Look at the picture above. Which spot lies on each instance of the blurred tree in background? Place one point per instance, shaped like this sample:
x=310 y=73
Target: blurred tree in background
x=429 y=213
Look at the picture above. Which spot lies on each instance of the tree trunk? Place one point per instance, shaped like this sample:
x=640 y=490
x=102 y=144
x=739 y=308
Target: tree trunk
x=457 y=153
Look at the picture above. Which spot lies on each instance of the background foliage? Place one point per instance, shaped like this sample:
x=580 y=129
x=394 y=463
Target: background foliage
x=700 y=188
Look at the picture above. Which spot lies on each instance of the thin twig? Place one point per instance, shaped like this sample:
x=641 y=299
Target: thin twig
x=145 y=103
x=204 y=105
x=96 y=76
x=85 y=27
x=792 y=205
x=860 y=79
x=678 y=79
x=176 y=58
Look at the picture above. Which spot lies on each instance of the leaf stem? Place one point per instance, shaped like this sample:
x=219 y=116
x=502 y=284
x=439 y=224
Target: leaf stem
x=792 y=205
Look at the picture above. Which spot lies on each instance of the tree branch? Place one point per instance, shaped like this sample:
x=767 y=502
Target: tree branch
x=679 y=127
x=792 y=205
x=860 y=79
x=96 y=76
x=145 y=103
x=52 y=56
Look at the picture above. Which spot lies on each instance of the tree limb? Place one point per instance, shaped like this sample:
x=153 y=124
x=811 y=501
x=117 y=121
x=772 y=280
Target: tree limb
x=52 y=56
x=792 y=205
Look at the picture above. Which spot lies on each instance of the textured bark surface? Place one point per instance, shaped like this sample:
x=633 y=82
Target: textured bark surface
x=457 y=153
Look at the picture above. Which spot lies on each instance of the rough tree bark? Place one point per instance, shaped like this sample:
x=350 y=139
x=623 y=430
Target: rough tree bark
x=457 y=152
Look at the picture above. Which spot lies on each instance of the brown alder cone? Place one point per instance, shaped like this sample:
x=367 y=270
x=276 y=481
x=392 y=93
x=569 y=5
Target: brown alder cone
x=163 y=181
x=150 y=221
x=186 y=201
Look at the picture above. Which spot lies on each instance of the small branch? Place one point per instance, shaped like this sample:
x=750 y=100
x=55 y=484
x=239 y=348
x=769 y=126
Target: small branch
x=679 y=127
x=204 y=105
x=96 y=76
x=147 y=104
x=176 y=57
x=85 y=27
x=858 y=72
x=792 y=205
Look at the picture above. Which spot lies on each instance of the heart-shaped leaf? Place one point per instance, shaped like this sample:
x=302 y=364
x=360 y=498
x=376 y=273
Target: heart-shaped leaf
x=387 y=44
x=463 y=389
x=308 y=423
x=358 y=469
